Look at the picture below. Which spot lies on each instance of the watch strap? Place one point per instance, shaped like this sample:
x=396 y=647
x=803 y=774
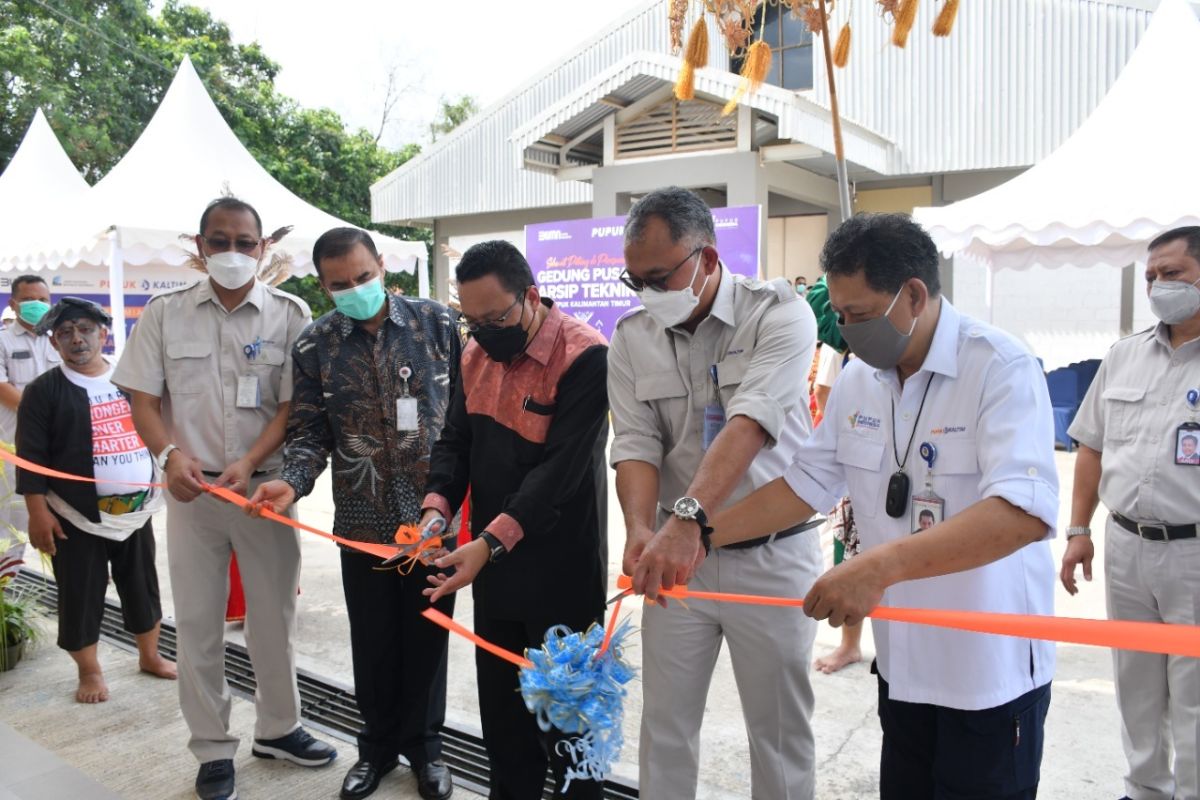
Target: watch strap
x=495 y=546
x=1078 y=530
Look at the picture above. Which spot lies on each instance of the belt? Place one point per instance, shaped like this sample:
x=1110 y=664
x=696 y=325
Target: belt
x=1156 y=533
x=775 y=537
x=258 y=473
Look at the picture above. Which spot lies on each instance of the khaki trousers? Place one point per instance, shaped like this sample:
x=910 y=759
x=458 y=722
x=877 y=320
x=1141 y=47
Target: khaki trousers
x=200 y=537
x=771 y=649
x=1159 y=696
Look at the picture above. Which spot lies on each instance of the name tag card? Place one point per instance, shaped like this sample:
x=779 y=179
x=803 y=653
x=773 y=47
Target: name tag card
x=406 y=414
x=248 y=394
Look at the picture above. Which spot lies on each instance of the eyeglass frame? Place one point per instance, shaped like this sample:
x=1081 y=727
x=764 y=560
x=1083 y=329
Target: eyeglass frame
x=232 y=244
x=496 y=324
x=656 y=284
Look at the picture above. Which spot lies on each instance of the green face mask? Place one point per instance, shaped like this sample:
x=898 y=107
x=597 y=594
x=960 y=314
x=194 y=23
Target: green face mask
x=360 y=302
x=32 y=311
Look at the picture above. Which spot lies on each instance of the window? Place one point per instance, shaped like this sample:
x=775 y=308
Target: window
x=791 y=48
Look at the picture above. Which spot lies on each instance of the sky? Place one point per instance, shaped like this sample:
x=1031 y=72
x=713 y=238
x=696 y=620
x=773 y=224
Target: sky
x=339 y=55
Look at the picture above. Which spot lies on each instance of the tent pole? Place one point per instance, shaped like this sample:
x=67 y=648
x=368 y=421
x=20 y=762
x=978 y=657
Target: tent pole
x=116 y=290
x=423 y=278
x=839 y=151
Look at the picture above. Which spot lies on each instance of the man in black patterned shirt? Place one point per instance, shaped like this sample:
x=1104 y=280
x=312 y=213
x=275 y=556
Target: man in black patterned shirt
x=372 y=383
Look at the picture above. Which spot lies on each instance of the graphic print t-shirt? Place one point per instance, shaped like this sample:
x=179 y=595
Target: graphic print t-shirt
x=118 y=453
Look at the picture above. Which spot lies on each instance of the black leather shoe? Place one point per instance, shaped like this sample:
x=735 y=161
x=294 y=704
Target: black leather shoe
x=433 y=781
x=363 y=778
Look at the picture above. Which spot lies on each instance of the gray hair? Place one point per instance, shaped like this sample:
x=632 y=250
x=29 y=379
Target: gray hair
x=685 y=214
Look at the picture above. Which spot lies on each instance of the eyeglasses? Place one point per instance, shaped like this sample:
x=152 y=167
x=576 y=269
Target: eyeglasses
x=495 y=324
x=220 y=244
x=657 y=284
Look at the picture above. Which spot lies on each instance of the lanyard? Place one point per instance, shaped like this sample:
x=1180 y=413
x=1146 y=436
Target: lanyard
x=916 y=423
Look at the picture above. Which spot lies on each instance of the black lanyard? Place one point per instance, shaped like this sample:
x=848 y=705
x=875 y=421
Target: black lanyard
x=899 y=485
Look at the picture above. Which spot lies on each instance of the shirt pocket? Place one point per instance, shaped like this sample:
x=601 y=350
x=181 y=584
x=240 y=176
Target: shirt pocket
x=188 y=367
x=956 y=473
x=730 y=374
x=22 y=368
x=1122 y=412
x=862 y=460
x=268 y=366
x=666 y=394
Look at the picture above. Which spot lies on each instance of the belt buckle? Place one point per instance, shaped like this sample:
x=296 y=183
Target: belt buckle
x=1161 y=530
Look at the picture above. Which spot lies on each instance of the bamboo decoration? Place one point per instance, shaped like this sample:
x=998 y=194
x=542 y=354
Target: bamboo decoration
x=694 y=57
x=841 y=50
x=945 y=20
x=906 y=15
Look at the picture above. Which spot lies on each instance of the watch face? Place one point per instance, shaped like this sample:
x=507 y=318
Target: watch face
x=686 y=507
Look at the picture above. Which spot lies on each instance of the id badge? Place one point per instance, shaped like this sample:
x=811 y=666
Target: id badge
x=248 y=394
x=406 y=414
x=927 y=510
x=1187 y=445
x=714 y=423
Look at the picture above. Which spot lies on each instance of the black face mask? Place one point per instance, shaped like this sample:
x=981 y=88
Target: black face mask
x=502 y=344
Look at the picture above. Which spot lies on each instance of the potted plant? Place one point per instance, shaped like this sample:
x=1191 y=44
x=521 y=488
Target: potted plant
x=17 y=626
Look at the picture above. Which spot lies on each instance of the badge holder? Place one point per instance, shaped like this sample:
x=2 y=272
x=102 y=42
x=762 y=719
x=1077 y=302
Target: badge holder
x=928 y=509
x=407 y=418
x=249 y=395
x=1187 y=435
x=714 y=414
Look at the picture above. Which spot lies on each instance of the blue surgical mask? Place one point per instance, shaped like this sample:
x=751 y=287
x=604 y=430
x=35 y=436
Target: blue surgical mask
x=32 y=311
x=360 y=302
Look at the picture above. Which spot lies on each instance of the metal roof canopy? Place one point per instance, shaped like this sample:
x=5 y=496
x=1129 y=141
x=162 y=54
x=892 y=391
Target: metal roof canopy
x=640 y=81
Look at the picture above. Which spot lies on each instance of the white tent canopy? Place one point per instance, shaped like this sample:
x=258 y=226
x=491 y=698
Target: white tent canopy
x=139 y=211
x=1127 y=174
x=38 y=180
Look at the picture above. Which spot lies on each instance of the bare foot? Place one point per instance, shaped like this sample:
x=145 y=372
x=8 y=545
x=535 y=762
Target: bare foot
x=159 y=667
x=92 y=688
x=843 y=656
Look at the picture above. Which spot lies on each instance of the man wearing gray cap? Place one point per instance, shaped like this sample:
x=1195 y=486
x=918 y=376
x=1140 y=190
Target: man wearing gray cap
x=73 y=419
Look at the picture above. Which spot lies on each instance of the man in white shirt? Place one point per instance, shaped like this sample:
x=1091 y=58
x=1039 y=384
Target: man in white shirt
x=24 y=355
x=936 y=409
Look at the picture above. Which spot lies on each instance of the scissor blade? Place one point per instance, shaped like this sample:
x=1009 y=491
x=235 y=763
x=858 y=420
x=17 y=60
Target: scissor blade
x=619 y=596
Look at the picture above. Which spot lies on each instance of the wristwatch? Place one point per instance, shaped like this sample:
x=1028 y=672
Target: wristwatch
x=161 y=458
x=1078 y=530
x=497 y=548
x=689 y=509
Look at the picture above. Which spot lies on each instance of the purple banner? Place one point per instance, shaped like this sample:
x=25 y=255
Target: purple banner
x=578 y=263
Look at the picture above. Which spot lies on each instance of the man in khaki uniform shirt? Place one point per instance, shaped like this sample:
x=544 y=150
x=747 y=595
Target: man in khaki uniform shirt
x=210 y=370
x=707 y=388
x=23 y=356
x=1132 y=427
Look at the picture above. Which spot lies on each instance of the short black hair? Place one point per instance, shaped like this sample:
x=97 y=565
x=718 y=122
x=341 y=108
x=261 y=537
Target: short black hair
x=337 y=242
x=888 y=249
x=496 y=257
x=683 y=212
x=925 y=512
x=21 y=280
x=1190 y=233
x=229 y=203
x=1190 y=436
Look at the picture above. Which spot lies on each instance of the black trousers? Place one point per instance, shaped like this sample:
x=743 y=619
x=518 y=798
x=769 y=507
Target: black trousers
x=517 y=749
x=937 y=753
x=81 y=563
x=399 y=661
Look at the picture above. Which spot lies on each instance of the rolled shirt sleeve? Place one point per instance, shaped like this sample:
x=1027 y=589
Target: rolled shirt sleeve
x=1015 y=437
x=636 y=435
x=776 y=378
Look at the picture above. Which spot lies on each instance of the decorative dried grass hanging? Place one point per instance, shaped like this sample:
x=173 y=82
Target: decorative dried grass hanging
x=841 y=49
x=754 y=72
x=694 y=57
x=906 y=15
x=945 y=20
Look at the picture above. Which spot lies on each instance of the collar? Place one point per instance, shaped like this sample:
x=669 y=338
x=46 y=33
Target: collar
x=344 y=325
x=722 y=307
x=20 y=330
x=541 y=347
x=256 y=296
x=942 y=357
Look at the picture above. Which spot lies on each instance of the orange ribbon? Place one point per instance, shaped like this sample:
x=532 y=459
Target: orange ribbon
x=1149 y=637
x=438 y=618
x=380 y=550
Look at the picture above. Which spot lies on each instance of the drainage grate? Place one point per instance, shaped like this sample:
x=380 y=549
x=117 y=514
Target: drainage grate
x=325 y=705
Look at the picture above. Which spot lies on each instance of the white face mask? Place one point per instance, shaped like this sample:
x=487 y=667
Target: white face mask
x=231 y=270
x=672 y=308
x=1174 y=301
